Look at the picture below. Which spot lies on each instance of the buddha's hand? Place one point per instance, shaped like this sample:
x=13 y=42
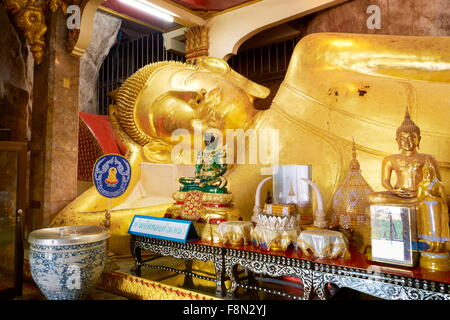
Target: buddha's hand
x=403 y=193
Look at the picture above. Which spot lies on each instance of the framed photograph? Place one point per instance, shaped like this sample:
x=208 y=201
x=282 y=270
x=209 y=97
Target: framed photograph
x=289 y=189
x=394 y=234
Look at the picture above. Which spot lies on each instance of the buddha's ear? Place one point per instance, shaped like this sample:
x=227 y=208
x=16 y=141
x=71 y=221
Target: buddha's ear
x=221 y=67
x=113 y=94
x=213 y=64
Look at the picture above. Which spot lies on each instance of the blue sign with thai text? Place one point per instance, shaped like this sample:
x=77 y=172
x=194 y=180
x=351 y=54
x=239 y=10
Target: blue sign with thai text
x=163 y=228
x=112 y=174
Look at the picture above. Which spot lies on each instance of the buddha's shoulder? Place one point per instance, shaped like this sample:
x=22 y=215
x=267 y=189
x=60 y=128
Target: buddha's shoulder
x=426 y=157
x=422 y=156
x=392 y=157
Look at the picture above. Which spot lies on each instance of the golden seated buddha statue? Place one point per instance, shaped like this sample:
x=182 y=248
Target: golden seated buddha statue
x=407 y=166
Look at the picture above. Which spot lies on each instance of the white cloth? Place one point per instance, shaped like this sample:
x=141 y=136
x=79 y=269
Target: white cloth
x=235 y=231
x=323 y=243
x=273 y=239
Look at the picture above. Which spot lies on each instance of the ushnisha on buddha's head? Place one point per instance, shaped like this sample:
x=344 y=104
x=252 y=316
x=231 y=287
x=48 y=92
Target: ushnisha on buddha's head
x=408 y=135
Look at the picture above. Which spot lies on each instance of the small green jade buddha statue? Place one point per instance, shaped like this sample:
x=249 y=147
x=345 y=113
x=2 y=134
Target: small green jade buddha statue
x=209 y=169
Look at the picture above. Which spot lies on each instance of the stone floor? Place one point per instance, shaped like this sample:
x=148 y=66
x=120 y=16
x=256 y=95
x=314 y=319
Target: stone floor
x=96 y=294
x=32 y=292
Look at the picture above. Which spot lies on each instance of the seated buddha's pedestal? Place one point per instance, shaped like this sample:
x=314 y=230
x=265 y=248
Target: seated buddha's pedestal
x=439 y=261
x=206 y=209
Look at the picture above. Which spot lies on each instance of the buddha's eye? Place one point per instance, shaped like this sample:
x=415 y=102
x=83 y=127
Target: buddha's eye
x=200 y=96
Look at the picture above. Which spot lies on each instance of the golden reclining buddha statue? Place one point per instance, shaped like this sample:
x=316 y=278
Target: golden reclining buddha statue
x=337 y=86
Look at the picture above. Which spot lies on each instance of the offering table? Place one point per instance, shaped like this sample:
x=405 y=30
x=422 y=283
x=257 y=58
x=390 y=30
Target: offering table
x=357 y=273
x=179 y=250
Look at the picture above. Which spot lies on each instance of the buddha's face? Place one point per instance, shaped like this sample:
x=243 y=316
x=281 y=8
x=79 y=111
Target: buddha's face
x=209 y=139
x=408 y=141
x=205 y=98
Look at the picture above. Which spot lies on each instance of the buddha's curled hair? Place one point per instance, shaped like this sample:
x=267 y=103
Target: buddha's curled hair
x=128 y=93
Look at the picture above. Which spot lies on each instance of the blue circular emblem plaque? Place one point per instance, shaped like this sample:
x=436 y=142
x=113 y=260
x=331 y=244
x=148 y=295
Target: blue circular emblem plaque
x=112 y=173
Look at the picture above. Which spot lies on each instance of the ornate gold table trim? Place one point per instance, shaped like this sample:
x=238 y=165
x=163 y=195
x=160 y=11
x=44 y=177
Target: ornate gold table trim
x=179 y=250
x=316 y=276
x=143 y=289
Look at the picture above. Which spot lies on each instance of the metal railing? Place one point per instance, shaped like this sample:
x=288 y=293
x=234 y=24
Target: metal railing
x=262 y=63
x=124 y=59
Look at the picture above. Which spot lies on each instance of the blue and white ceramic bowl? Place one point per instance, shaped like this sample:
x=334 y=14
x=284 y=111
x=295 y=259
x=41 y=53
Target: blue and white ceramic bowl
x=66 y=262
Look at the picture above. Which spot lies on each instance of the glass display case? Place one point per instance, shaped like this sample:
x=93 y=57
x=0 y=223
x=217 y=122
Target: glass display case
x=13 y=163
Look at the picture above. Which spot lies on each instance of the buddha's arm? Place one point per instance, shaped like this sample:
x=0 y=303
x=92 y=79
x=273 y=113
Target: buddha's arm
x=420 y=192
x=425 y=58
x=91 y=200
x=386 y=173
x=442 y=192
x=436 y=168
